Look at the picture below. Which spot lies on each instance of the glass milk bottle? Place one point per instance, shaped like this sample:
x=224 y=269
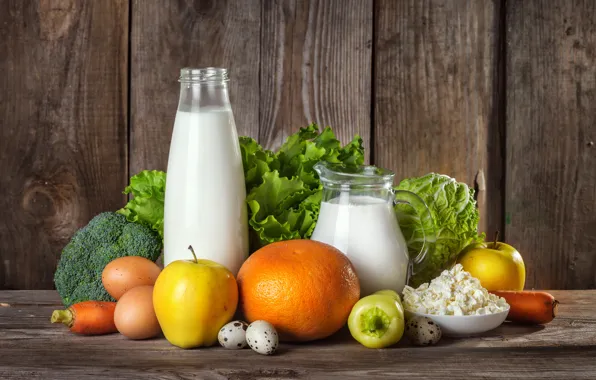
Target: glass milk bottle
x=205 y=190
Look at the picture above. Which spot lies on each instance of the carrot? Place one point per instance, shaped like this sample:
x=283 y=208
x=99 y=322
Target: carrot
x=530 y=306
x=88 y=318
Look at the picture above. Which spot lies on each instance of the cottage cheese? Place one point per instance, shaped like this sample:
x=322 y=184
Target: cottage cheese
x=454 y=292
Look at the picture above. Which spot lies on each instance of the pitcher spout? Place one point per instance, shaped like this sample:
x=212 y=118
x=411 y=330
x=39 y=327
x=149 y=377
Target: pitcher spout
x=321 y=169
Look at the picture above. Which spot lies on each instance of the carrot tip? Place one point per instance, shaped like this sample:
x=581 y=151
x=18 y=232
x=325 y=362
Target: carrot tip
x=555 y=308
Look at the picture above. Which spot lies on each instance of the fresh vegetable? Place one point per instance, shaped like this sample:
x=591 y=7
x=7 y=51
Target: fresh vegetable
x=262 y=337
x=233 y=335
x=134 y=316
x=128 y=272
x=377 y=321
x=391 y=293
x=88 y=317
x=106 y=237
x=283 y=190
x=423 y=331
x=454 y=212
x=146 y=207
x=530 y=306
x=194 y=316
x=498 y=266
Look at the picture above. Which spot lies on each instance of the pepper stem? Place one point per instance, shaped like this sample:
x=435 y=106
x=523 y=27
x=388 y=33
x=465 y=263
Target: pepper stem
x=374 y=322
x=62 y=316
x=193 y=253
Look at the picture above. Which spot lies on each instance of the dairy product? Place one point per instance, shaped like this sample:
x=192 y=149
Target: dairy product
x=454 y=292
x=205 y=191
x=365 y=229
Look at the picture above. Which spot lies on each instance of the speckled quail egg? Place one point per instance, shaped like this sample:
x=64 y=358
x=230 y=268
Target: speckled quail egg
x=233 y=335
x=423 y=331
x=262 y=337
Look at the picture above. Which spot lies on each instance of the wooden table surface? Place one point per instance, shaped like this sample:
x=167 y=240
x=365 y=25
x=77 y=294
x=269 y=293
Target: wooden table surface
x=32 y=348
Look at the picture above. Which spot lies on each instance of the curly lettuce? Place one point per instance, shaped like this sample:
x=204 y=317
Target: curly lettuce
x=283 y=190
x=147 y=205
x=455 y=219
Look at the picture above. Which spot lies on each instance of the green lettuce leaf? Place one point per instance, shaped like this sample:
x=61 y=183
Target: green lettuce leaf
x=256 y=161
x=455 y=216
x=147 y=205
x=272 y=215
x=283 y=190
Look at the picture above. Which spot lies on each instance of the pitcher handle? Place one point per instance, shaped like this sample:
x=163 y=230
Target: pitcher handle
x=426 y=219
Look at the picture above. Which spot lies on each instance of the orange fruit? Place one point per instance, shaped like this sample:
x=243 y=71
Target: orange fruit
x=304 y=288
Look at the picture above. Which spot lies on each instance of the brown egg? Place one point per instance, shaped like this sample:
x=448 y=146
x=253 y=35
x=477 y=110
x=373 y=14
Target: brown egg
x=134 y=316
x=128 y=272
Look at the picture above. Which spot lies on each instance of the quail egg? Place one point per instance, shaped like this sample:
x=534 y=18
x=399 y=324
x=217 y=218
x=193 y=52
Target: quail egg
x=233 y=335
x=423 y=331
x=262 y=337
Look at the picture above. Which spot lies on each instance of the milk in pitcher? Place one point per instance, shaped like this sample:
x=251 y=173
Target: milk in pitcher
x=365 y=229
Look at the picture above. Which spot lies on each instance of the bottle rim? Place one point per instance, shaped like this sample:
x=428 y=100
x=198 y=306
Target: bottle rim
x=206 y=74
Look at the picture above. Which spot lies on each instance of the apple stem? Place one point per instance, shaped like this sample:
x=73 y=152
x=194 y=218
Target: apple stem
x=496 y=245
x=193 y=253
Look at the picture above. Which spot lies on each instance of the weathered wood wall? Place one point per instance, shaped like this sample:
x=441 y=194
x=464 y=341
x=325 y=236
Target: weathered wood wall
x=499 y=94
x=63 y=137
x=550 y=192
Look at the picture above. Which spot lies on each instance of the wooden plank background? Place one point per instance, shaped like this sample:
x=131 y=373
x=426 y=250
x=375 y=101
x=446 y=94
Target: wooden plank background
x=499 y=94
x=434 y=94
x=550 y=196
x=63 y=140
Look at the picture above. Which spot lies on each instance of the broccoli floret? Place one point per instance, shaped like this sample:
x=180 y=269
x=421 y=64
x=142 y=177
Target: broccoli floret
x=106 y=237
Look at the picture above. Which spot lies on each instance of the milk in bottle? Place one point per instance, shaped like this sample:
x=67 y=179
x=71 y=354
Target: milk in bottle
x=205 y=191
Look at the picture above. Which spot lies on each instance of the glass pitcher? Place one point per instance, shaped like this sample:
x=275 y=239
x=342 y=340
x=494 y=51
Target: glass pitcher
x=357 y=217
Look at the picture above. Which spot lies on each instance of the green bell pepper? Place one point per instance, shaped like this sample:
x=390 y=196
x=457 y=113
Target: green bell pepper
x=377 y=321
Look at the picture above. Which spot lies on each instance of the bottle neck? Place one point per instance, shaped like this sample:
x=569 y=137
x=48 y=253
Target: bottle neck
x=203 y=88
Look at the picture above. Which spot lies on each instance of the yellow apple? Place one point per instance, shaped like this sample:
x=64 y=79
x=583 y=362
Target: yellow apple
x=193 y=299
x=497 y=265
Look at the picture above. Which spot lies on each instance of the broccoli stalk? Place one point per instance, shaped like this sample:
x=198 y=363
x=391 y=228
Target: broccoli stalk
x=106 y=237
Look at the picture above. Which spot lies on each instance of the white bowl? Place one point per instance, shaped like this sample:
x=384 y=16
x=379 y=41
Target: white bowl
x=464 y=325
